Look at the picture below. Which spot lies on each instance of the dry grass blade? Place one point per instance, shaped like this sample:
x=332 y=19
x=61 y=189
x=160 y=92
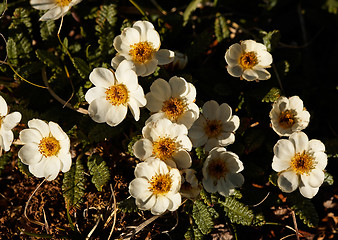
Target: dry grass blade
x=114 y=213
x=141 y=226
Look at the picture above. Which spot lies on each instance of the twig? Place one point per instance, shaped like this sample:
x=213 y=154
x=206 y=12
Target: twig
x=295 y=223
x=114 y=213
x=288 y=236
x=45 y=219
x=257 y=204
x=93 y=229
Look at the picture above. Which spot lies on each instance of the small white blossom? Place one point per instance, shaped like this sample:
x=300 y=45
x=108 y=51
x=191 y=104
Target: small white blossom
x=248 y=60
x=189 y=187
x=7 y=123
x=174 y=100
x=56 y=8
x=288 y=115
x=141 y=45
x=300 y=163
x=214 y=127
x=156 y=187
x=221 y=172
x=166 y=141
x=114 y=93
x=46 y=149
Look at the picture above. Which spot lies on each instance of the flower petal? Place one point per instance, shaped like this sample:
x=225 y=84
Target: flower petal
x=284 y=150
x=139 y=188
x=7 y=139
x=262 y=73
x=3 y=107
x=57 y=131
x=151 y=66
x=300 y=141
x=66 y=162
x=164 y=56
x=98 y=109
x=182 y=159
x=314 y=179
x=160 y=89
x=29 y=154
x=307 y=191
x=143 y=149
x=316 y=146
x=235 y=70
x=321 y=159
x=116 y=114
x=11 y=120
x=210 y=110
x=175 y=201
x=280 y=165
x=43 y=4
x=102 y=77
x=154 y=38
x=250 y=75
x=95 y=92
x=288 y=181
x=130 y=36
x=52 y=168
x=143 y=27
x=161 y=205
x=39 y=125
x=30 y=135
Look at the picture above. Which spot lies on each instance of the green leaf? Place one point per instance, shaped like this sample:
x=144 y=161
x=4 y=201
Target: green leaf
x=188 y=11
x=21 y=17
x=99 y=171
x=131 y=144
x=102 y=131
x=202 y=217
x=4 y=160
x=47 y=58
x=328 y=178
x=272 y=95
x=193 y=233
x=331 y=6
x=221 y=28
x=12 y=51
x=81 y=67
x=271 y=39
x=73 y=186
x=273 y=178
x=304 y=208
x=23 y=168
x=47 y=29
x=238 y=212
x=128 y=205
x=200 y=153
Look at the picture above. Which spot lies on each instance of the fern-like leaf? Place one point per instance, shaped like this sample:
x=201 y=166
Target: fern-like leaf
x=99 y=171
x=128 y=205
x=81 y=67
x=47 y=29
x=188 y=11
x=272 y=95
x=202 y=217
x=47 y=58
x=221 y=28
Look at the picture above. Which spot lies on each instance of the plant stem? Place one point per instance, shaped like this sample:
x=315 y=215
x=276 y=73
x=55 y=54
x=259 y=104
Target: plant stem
x=139 y=8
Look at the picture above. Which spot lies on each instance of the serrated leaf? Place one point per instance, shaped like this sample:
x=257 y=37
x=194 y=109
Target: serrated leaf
x=188 y=11
x=221 y=28
x=304 y=208
x=271 y=39
x=193 y=233
x=272 y=95
x=12 y=53
x=328 y=178
x=237 y=212
x=73 y=186
x=21 y=17
x=81 y=67
x=128 y=205
x=47 y=58
x=47 y=29
x=202 y=217
x=200 y=153
x=99 y=171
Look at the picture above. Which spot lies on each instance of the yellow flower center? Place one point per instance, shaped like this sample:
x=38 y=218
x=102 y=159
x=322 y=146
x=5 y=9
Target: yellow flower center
x=117 y=94
x=164 y=148
x=63 y=3
x=161 y=183
x=213 y=128
x=49 y=146
x=303 y=163
x=287 y=119
x=141 y=52
x=248 y=60
x=217 y=168
x=174 y=108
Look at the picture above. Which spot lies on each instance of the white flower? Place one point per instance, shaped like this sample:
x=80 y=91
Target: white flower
x=156 y=187
x=7 y=123
x=288 y=115
x=189 y=187
x=113 y=94
x=173 y=100
x=140 y=44
x=214 y=127
x=46 y=149
x=221 y=172
x=248 y=60
x=166 y=141
x=56 y=8
x=179 y=63
x=300 y=164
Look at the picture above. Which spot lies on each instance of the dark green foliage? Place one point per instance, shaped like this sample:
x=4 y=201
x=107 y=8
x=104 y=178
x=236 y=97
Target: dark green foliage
x=23 y=168
x=328 y=178
x=47 y=29
x=81 y=67
x=221 y=28
x=203 y=217
x=188 y=11
x=48 y=58
x=4 y=160
x=271 y=39
x=128 y=205
x=272 y=95
x=99 y=170
x=131 y=144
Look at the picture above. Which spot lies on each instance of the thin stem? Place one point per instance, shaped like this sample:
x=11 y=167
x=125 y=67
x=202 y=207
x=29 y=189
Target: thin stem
x=295 y=223
x=159 y=7
x=115 y=213
x=139 y=8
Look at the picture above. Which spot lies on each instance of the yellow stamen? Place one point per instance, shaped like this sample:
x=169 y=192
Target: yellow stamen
x=142 y=51
x=174 y=108
x=213 y=128
x=303 y=163
x=49 y=146
x=248 y=60
x=287 y=119
x=63 y=3
x=117 y=94
x=161 y=183
x=217 y=168
x=164 y=148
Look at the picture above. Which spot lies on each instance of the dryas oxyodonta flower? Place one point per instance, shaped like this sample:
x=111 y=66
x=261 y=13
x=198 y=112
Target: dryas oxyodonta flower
x=174 y=100
x=141 y=45
x=114 y=93
x=156 y=187
x=288 y=115
x=300 y=163
x=7 y=123
x=221 y=172
x=56 y=8
x=46 y=149
x=166 y=141
x=214 y=127
x=248 y=60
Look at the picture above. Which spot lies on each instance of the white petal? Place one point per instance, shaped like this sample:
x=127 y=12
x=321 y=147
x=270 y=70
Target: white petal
x=147 y=203
x=211 y=143
x=29 y=154
x=138 y=95
x=236 y=179
x=139 y=188
x=164 y=56
x=232 y=125
x=7 y=139
x=209 y=184
x=184 y=142
x=153 y=104
x=265 y=59
x=179 y=86
x=143 y=27
x=134 y=108
x=308 y=191
x=11 y=120
x=251 y=45
x=98 y=109
x=187 y=118
x=210 y=110
x=160 y=206
x=57 y=131
x=154 y=38
x=262 y=73
x=284 y=149
x=140 y=68
x=150 y=67
x=280 y=165
x=30 y=136
x=314 y=179
x=95 y=92
x=233 y=53
x=125 y=72
x=316 y=146
x=226 y=139
x=52 y=168
x=130 y=36
x=66 y=162
x=182 y=159
x=102 y=77
x=39 y=125
x=3 y=107
x=250 y=75
x=321 y=159
x=160 y=89
x=225 y=112
x=143 y=170
x=116 y=114
x=296 y=103
x=143 y=149
x=54 y=13
x=223 y=187
x=288 y=181
x=38 y=169
x=43 y=4
x=115 y=62
x=300 y=141
x=235 y=70
x=175 y=201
